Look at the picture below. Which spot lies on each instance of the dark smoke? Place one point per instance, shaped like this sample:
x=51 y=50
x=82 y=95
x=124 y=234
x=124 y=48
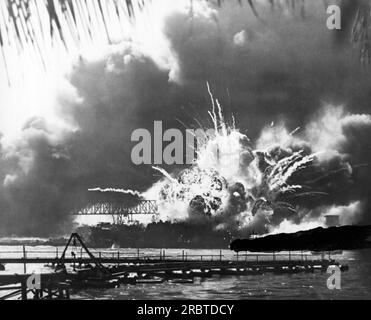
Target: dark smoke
x=284 y=68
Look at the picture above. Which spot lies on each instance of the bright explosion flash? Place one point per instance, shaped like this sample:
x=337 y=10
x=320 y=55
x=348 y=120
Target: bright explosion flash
x=232 y=183
x=237 y=186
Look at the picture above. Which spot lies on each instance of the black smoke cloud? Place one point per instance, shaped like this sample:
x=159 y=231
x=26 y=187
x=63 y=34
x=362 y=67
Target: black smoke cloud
x=37 y=183
x=278 y=67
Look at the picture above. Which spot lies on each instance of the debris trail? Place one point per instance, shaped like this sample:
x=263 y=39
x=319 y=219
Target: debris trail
x=113 y=190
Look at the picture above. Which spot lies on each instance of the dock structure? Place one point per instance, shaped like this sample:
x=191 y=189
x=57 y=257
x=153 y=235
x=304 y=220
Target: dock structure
x=247 y=260
x=112 y=269
x=47 y=287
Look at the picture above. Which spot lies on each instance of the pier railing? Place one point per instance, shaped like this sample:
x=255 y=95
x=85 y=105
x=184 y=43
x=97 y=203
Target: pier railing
x=117 y=266
x=124 y=255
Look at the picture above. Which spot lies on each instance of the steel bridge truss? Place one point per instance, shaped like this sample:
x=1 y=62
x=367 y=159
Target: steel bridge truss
x=119 y=210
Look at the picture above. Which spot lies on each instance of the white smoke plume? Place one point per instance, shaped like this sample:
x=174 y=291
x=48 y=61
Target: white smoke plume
x=113 y=190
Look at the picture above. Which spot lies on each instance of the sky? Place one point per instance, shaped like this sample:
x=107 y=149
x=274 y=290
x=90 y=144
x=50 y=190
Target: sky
x=34 y=85
x=66 y=128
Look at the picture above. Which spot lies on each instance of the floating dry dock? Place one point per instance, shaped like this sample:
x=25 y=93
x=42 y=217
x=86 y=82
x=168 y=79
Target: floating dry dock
x=101 y=271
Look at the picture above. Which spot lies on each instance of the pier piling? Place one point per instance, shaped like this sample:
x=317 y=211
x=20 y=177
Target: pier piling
x=115 y=268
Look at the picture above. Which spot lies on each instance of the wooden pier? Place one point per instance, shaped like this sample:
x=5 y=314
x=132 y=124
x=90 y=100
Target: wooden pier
x=111 y=269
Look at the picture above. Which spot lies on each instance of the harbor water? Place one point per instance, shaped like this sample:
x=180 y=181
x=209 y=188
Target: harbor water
x=355 y=283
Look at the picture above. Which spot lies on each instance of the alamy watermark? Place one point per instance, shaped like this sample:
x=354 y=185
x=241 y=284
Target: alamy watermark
x=334 y=281
x=170 y=147
x=34 y=282
x=334 y=19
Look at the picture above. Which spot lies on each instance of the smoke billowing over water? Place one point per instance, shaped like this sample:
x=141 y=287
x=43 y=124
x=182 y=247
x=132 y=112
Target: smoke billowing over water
x=299 y=147
x=282 y=182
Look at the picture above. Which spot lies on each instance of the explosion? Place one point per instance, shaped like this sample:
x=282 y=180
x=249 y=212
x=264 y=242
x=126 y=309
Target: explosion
x=76 y=96
x=276 y=183
x=233 y=184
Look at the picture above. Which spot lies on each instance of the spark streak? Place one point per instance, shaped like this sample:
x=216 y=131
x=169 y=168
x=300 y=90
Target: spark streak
x=113 y=190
